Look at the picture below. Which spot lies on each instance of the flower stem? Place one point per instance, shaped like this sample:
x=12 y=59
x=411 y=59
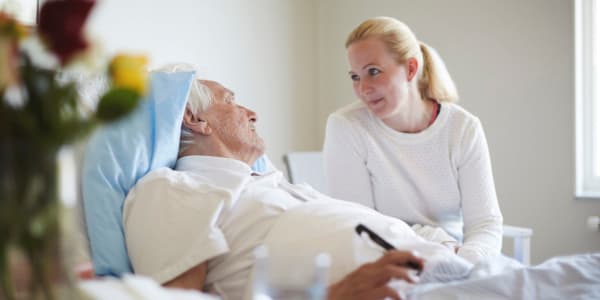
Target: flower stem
x=41 y=271
x=5 y=275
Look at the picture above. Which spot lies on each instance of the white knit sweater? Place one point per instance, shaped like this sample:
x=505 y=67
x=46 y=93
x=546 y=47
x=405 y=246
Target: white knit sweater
x=441 y=176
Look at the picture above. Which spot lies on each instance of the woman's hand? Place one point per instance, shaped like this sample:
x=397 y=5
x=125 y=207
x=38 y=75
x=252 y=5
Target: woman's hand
x=370 y=280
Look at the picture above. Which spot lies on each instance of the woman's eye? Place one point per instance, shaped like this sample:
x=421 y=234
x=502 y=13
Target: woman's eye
x=354 y=77
x=373 y=71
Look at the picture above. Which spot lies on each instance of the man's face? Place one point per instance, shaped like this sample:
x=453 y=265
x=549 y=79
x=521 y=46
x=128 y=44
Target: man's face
x=233 y=124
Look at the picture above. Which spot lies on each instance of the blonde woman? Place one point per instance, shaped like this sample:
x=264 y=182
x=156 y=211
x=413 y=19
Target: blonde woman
x=405 y=149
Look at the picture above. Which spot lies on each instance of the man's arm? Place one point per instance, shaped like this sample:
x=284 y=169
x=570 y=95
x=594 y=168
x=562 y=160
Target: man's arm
x=150 y=223
x=370 y=280
x=191 y=279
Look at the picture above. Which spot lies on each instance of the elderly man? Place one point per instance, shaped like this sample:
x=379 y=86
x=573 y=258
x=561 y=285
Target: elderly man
x=197 y=226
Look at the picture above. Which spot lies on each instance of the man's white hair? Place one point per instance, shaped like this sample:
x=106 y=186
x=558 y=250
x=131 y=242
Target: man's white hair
x=199 y=99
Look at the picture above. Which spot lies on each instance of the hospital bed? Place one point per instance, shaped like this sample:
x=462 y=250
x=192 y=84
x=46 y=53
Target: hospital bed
x=119 y=154
x=307 y=167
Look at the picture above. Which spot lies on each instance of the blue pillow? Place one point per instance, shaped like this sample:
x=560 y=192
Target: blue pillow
x=122 y=152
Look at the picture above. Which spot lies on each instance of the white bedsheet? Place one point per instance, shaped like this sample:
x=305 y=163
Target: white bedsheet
x=567 y=277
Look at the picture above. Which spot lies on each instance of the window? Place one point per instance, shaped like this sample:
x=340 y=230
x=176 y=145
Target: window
x=587 y=89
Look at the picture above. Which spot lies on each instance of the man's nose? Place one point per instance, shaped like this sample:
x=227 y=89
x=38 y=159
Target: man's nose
x=252 y=115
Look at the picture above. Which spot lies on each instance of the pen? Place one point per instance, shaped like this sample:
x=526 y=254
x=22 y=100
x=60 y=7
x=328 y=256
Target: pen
x=360 y=228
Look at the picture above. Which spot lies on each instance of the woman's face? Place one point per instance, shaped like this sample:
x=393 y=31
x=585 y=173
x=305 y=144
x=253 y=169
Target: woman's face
x=378 y=80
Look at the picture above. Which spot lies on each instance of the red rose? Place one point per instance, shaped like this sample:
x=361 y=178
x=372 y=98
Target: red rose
x=61 y=26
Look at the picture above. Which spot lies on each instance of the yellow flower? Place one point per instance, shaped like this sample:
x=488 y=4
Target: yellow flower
x=21 y=31
x=12 y=28
x=129 y=71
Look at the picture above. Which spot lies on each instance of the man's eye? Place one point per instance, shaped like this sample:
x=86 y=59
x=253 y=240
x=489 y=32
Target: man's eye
x=373 y=71
x=354 y=77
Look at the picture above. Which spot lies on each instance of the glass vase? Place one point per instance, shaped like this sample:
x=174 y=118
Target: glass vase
x=30 y=248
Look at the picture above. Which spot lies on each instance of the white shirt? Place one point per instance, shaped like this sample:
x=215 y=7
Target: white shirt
x=212 y=209
x=440 y=176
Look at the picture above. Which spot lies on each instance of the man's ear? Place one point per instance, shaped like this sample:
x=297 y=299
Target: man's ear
x=412 y=65
x=196 y=123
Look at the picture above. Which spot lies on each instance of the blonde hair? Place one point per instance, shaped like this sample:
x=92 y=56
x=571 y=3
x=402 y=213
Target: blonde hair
x=199 y=99
x=433 y=77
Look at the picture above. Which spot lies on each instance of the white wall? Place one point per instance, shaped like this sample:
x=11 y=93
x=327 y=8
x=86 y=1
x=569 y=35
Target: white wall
x=512 y=61
x=263 y=50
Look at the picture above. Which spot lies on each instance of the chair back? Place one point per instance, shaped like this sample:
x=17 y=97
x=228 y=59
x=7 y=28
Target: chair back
x=307 y=167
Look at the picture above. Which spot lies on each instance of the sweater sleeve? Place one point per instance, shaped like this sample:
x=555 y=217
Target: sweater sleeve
x=481 y=213
x=345 y=163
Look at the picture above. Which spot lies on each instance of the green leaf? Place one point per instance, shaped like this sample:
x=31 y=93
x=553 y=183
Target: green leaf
x=117 y=103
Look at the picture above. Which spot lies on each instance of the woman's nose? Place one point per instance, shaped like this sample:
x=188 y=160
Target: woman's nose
x=364 y=87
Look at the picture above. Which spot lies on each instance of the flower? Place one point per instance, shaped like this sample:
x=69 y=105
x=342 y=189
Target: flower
x=128 y=76
x=129 y=71
x=61 y=25
x=40 y=112
x=9 y=26
x=29 y=75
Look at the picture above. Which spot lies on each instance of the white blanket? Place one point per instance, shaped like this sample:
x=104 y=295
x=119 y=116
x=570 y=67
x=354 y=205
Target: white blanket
x=328 y=226
x=135 y=287
x=567 y=277
x=298 y=234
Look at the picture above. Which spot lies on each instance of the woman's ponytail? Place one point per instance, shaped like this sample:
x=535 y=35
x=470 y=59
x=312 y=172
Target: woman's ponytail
x=435 y=81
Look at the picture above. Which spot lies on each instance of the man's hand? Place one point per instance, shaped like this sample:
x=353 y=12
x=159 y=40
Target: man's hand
x=191 y=279
x=85 y=271
x=370 y=280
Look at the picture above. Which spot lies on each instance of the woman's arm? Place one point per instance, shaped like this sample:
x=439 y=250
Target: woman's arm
x=481 y=213
x=345 y=163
